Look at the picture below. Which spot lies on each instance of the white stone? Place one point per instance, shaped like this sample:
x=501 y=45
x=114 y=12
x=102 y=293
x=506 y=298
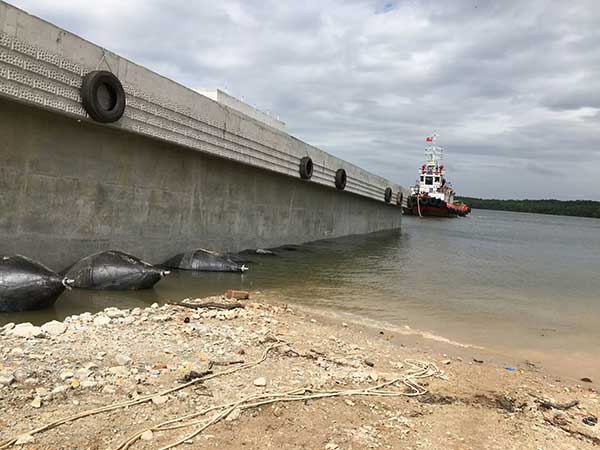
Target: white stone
x=25 y=439
x=108 y=389
x=54 y=328
x=229 y=315
x=37 y=402
x=41 y=391
x=154 y=305
x=161 y=318
x=147 y=435
x=233 y=415
x=119 y=371
x=59 y=392
x=21 y=374
x=114 y=313
x=123 y=360
x=261 y=381
x=66 y=374
x=6 y=379
x=101 y=321
x=160 y=399
x=9 y=326
x=82 y=374
x=26 y=330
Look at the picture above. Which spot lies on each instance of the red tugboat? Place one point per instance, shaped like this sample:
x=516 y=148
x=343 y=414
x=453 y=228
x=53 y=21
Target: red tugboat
x=433 y=195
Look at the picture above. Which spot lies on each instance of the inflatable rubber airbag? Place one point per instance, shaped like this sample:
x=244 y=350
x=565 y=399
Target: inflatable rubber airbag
x=114 y=270
x=204 y=261
x=27 y=285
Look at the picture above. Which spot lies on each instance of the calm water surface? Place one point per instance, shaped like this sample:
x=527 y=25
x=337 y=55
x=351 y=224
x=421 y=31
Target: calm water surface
x=523 y=284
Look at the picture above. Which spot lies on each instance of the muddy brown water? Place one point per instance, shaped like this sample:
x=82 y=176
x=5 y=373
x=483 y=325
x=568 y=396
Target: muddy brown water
x=523 y=284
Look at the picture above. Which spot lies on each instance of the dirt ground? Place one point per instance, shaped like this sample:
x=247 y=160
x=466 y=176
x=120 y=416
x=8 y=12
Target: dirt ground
x=464 y=400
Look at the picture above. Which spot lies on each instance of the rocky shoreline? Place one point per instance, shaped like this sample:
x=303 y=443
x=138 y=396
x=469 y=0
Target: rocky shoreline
x=137 y=370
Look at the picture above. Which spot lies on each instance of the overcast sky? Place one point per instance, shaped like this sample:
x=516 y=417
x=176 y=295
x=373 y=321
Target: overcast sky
x=512 y=87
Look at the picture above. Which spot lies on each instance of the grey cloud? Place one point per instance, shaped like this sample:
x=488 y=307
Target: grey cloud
x=510 y=86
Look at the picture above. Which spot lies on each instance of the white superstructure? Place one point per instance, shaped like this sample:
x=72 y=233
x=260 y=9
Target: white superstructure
x=229 y=100
x=432 y=179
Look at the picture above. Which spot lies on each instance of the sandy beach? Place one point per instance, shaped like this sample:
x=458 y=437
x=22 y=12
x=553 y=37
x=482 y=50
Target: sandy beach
x=260 y=374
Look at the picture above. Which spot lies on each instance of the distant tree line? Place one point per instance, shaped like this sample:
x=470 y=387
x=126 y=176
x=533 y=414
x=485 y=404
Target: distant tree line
x=580 y=208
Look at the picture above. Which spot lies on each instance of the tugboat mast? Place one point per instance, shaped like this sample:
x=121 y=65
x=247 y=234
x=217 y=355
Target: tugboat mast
x=434 y=154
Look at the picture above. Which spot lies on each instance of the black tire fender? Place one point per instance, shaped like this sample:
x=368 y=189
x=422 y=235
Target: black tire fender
x=387 y=196
x=103 y=96
x=340 y=179
x=399 y=198
x=306 y=168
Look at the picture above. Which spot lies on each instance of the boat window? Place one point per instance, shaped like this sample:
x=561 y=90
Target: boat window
x=422 y=178
x=437 y=179
x=428 y=180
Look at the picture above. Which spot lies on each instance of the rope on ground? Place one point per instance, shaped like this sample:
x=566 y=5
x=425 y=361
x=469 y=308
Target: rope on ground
x=147 y=398
x=418 y=370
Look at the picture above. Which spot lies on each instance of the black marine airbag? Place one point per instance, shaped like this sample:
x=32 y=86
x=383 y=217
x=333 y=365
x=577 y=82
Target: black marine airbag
x=204 y=261
x=114 y=270
x=26 y=285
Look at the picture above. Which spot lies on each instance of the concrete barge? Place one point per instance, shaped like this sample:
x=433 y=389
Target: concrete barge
x=177 y=170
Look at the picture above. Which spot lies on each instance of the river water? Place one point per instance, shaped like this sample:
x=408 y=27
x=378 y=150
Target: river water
x=525 y=285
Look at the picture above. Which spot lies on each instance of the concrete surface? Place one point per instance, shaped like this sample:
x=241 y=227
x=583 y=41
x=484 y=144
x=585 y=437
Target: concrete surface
x=177 y=171
x=43 y=65
x=69 y=188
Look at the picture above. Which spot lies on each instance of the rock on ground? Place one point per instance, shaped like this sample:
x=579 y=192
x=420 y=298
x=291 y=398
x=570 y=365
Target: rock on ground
x=26 y=330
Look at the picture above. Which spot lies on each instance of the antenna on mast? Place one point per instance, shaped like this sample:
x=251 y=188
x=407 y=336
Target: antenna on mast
x=434 y=153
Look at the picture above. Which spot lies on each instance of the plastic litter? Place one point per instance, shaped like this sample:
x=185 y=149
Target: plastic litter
x=27 y=285
x=205 y=261
x=114 y=270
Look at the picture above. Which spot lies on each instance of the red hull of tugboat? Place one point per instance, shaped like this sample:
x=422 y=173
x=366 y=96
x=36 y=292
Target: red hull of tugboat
x=443 y=210
x=432 y=211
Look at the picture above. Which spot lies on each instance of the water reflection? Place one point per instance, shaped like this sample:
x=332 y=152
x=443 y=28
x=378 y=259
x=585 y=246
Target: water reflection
x=324 y=264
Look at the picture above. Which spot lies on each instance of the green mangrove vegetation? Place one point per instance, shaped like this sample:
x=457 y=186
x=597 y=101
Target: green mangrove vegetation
x=580 y=208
